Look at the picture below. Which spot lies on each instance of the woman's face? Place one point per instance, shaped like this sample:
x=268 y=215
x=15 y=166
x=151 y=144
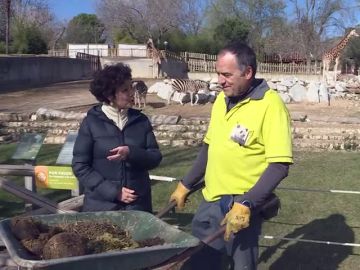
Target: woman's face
x=124 y=96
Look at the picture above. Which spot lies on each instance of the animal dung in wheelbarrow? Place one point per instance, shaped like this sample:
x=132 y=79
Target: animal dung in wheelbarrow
x=74 y=239
x=24 y=228
x=65 y=245
x=35 y=246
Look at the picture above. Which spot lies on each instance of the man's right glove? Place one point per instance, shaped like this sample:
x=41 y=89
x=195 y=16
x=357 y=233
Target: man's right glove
x=236 y=219
x=179 y=195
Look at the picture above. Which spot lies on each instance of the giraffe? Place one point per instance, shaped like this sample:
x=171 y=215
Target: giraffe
x=156 y=57
x=334 y=54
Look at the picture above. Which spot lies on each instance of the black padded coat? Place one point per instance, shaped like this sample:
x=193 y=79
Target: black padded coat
x=102 y=179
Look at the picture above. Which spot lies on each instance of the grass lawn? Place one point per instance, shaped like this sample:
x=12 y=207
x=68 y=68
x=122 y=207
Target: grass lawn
x=322 y=216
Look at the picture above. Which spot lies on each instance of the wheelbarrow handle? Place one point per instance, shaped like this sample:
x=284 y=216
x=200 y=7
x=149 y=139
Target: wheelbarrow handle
x=166 y=209
x=184 y=255
x=172 y=204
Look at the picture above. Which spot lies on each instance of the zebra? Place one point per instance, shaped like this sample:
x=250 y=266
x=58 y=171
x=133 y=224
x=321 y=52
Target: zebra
x=140 y=92
x=188 y=86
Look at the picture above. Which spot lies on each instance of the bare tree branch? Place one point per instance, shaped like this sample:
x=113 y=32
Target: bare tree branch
x=143 y=19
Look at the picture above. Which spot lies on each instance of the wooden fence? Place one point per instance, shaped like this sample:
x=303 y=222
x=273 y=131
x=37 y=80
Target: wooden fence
x=199 y=62
x=199 y=56
x=195 y=65
x=291 y=68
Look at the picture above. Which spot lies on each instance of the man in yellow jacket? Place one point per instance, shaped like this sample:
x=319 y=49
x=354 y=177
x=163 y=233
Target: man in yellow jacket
x=246 y=152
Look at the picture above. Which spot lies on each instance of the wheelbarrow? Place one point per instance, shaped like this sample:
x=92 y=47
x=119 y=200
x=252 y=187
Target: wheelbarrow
x=141 y=226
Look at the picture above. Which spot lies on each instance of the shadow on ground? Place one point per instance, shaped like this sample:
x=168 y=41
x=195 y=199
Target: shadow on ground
x=300 y=255
x=156 y=105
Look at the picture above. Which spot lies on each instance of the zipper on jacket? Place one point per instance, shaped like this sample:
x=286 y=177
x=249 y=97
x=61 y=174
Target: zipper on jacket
x=123 y=167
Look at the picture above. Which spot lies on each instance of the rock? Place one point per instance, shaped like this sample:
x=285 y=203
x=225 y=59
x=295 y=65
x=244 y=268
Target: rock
x=340 y=87
x=181 y=97
x=285 y=97
x=298 y=93
x=165 y=91
x=272 y=85
x=202 y=98
x=312 y=93
x=154 y=88
x=281 y=88
x=324 y=95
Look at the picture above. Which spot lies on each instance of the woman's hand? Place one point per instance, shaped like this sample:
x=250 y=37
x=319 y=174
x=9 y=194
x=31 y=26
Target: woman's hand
x=127 y=195
x=119 y=153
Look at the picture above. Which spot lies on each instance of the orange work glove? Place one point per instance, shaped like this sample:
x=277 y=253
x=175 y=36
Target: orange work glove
x=236 y=219
x=179 y=195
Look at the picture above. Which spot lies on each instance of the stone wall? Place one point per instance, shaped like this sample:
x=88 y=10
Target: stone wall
x=176 y=131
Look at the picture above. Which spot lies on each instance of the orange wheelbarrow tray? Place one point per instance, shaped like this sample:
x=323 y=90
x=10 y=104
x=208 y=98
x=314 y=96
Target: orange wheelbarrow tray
x=141 y=226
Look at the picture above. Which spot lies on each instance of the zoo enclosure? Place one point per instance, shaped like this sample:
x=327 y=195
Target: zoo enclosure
x=196 y=62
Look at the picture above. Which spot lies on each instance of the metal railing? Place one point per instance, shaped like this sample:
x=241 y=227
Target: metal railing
x=94 y=60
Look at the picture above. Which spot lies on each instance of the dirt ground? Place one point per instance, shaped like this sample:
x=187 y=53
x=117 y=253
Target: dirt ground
x=337 y=108
x=74 y=96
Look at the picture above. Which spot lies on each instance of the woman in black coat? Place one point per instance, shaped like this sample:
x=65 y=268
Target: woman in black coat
x=115 y=147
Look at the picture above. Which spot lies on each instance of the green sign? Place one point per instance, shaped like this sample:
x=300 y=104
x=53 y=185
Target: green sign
x=66 y=153
x=29 y=146
x=55 y=177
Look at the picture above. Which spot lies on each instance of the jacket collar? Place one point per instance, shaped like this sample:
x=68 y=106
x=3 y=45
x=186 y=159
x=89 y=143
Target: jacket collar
x=133 y=114
x=256 y=91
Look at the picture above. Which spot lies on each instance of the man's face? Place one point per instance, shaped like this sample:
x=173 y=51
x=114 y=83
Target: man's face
x=233 y=81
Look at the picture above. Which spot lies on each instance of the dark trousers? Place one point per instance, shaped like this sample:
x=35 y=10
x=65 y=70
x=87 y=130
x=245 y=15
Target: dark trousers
x=242 y=247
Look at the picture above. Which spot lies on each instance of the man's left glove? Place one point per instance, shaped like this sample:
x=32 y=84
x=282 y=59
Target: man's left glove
x=236 y=219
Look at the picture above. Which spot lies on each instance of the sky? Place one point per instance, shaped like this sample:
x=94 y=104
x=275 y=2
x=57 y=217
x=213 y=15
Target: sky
x=67 y=9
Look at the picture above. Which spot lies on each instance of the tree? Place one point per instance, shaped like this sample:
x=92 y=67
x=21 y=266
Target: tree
x=7 y=34
x=28 y=40
x=5 y=23
x=121 y=36
x=179 y=41
x=32 y=12
x=85 y=28
x=25 y=15
x=2 y=20
x=55 y=36
x=275 y=45
x=259 y=15
x=142 y=19
x=193 y=16
x=232 y=29
x=313 y=18
x=352 y=51
x=123 y=18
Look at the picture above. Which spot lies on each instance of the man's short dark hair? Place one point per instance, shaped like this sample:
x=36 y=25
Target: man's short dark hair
x=244 y=54
x=108 y=80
